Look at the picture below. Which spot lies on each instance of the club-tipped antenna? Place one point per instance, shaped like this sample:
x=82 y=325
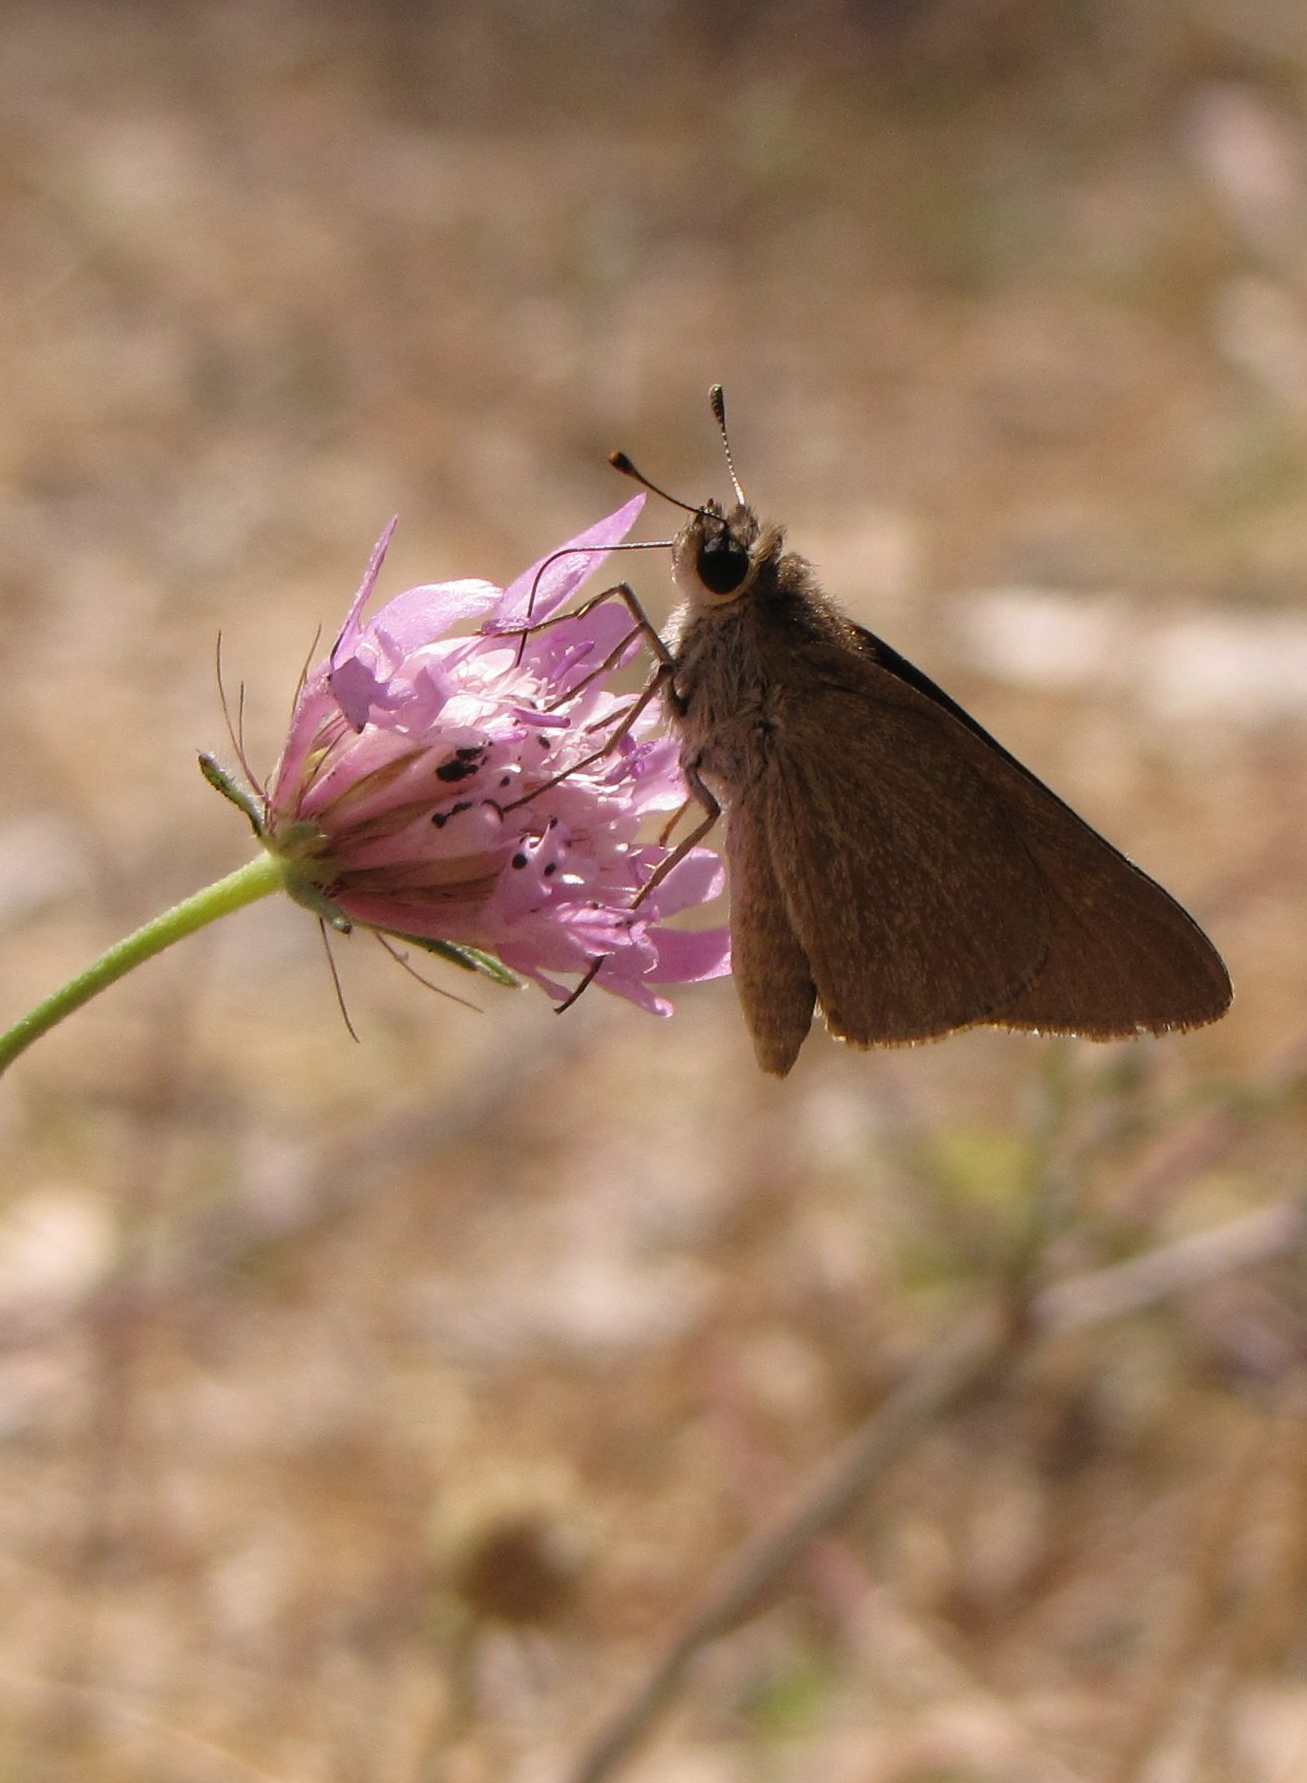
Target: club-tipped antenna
x=717 y=400
x=620 y=462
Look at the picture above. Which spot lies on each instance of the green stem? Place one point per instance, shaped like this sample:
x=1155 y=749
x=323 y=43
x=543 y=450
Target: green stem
x=246 y=885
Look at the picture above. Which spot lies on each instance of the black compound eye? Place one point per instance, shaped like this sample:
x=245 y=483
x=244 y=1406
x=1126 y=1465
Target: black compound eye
x=723 y=563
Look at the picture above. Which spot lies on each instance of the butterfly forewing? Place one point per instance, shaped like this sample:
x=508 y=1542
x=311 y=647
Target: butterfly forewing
x=909 y=889
x=935 y=883
x=1124 y=956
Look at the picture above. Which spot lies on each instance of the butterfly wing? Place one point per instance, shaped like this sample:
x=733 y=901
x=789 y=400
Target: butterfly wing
x=933 y=883
x=1124 y=956
x=909 y=891
x=769 y=966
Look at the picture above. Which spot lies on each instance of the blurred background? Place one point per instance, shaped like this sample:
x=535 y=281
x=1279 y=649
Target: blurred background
x=375 y=1412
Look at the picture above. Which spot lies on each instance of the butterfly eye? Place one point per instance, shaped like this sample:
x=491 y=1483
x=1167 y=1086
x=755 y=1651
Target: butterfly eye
x=723 y=563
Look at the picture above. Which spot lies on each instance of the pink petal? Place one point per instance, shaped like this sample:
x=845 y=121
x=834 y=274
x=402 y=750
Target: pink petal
x=635 y=990
x=600 y=630
x=689 y=956
x=313 y=707
x=349 y=632
x=562 y=574
x=366 y=662
x=356 y=689
x=699 y=877
x=420 y=615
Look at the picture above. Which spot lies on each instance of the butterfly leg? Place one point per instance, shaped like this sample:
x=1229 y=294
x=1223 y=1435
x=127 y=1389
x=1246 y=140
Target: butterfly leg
x=665 y=833
x=592 y=973
x=644 y=626
x=610 y=662
x=651 y=687
x=660 y=680
x=711 y=812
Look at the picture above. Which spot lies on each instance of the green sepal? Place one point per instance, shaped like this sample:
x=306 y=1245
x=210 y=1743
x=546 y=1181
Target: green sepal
x=221 y=781
x=306 y=891
x=471 y=959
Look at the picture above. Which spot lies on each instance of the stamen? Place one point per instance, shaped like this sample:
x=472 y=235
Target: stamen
x=236 y=733
x=335 y=979
x=401 y=959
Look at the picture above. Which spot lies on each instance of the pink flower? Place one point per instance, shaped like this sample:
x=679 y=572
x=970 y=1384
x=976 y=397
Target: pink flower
x=395 y=803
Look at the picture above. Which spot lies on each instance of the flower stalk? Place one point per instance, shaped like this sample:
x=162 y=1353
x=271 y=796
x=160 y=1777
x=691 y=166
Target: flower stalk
x=259 y=878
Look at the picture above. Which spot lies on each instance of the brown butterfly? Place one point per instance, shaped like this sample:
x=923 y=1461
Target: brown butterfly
x=888 y=859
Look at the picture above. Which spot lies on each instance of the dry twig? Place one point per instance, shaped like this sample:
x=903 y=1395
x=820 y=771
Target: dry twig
x=988 y=1349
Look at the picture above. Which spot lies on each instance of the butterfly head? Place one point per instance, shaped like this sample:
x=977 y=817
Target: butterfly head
x=717 y=556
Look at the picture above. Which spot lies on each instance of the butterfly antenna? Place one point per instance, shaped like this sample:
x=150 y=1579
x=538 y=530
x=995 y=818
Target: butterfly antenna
x=572 y=551
x=620 y=462
x=576 y=550
x=717 y=400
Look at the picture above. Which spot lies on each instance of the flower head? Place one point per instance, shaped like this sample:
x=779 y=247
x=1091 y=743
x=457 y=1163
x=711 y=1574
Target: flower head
x=413 y=796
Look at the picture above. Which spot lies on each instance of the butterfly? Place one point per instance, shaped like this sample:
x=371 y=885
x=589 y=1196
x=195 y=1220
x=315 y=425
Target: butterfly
x=889 y=860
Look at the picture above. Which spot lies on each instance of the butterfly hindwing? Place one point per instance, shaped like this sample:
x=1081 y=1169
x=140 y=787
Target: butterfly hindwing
x=769 y=966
